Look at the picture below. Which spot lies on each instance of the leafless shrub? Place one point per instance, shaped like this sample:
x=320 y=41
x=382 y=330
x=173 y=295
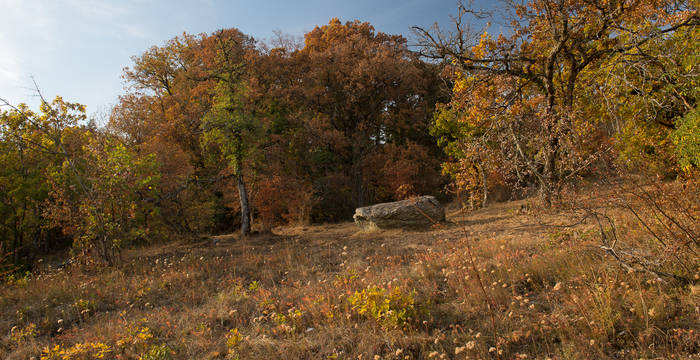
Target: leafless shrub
x=647 y=224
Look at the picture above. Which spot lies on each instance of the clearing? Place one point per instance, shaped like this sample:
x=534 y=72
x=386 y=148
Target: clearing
x=332 y=291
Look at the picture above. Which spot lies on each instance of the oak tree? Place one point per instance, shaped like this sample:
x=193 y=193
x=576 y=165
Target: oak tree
x=521 y=88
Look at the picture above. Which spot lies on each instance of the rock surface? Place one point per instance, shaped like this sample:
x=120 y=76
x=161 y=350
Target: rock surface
x=418 y=212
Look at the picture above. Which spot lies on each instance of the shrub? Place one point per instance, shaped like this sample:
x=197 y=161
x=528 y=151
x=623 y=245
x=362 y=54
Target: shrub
x=20 y=335
x=686 y=139
x=392 y=308
x=78 y=351
x=157 y=352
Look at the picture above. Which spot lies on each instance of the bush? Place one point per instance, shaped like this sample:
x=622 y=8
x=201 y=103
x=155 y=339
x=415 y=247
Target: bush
x=392 y=308
x=686 y=139
x=78 y=351
x=157 y=352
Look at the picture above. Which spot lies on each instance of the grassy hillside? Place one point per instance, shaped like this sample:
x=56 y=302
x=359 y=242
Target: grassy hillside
x=501 y=282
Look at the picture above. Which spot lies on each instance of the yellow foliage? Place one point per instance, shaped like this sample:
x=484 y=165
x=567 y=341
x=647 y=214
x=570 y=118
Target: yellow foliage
x=392 y=308
x=20 y=335
x=80 y=351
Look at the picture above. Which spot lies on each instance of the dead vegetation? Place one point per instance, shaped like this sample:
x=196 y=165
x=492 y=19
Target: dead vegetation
x=332 y=291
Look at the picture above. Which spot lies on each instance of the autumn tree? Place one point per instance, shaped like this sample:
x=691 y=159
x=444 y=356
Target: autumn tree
x=23 y=191
x=284 y=190
x=107 y=204
x=521 y=90
x=650 y=94
x=317 y=113
x=192 y=94
x=162 y=113
x=68 y=175
x=229 y=125
x=367 y=89
x=33 y=143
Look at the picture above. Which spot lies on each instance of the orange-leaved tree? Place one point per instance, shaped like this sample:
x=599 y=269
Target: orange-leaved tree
x=366 y=88
x=522 y=94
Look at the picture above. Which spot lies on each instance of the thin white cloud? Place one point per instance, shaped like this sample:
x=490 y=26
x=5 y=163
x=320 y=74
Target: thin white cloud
x=136 y=31
x=9 y=63
x=99 y=9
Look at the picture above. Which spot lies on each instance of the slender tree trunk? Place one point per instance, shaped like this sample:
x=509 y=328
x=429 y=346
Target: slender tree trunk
x=484 y=185
x=16 y=241
x=245 y=206
x=358 y=188
x=550 y=175
x=551 y=154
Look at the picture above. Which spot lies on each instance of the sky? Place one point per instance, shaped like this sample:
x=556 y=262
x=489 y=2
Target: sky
x=78 y=48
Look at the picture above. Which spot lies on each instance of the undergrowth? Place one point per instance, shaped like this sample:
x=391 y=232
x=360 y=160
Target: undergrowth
x=329 y=292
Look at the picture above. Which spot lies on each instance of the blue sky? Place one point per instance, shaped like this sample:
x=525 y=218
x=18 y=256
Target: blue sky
x=78 y=48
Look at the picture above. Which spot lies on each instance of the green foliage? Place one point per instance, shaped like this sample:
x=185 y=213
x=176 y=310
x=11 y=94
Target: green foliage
x=57 y=173
x=233 y=339
x=230 y=132
x=392 y=308
x=645 y=146
x=686 y=140
x=18 y=280
x=103 y=196
x=449 y=131
x=31 y=143
x=19 y=336
x=254 y=286
x=157 y=352
x=652 y=101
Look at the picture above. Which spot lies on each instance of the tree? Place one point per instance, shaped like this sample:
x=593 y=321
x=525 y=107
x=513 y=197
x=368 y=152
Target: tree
x=229 y=125
x=22 y=189
x=69 y=176
x=656 y=91
x=367 y=88
x=107 y=204
x=315 y=113
x=32 y=143
x=521 y=89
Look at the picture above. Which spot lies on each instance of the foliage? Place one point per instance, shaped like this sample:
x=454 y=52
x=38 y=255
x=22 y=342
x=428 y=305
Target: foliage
x=30 y=143
x=157 y=352
x=686 y=140
x=80 y=351
x=36 y=141
x=370 y=92
x=305 y=118
x=284 y=201
x=105 y=205
x=647 y=92
x=233 y=342
x=19 y=336
x=397 y=172
x=217 y=125
x=521 y=99
x=392 y=308
x=554 y=293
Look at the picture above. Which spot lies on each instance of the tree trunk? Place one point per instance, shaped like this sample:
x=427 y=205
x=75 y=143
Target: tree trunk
x=16 y=242
x=551 y=153
x=245 y=206
x=549 y=173
x=484 y=187
x=358 y=188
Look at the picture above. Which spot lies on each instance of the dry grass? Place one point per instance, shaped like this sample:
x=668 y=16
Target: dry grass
x=294 y=295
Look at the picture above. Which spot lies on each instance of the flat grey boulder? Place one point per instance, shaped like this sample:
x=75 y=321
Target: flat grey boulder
x=418 y=212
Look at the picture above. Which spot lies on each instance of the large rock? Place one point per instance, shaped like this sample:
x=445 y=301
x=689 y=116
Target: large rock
x=417 y=212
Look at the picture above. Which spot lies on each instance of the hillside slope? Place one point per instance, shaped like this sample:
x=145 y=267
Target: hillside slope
x=332 y=291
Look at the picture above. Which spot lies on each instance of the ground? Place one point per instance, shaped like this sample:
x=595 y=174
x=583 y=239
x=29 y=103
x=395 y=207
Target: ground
x=500 y=282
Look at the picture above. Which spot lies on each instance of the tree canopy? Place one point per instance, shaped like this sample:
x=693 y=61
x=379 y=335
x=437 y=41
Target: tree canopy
x=221 y=131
